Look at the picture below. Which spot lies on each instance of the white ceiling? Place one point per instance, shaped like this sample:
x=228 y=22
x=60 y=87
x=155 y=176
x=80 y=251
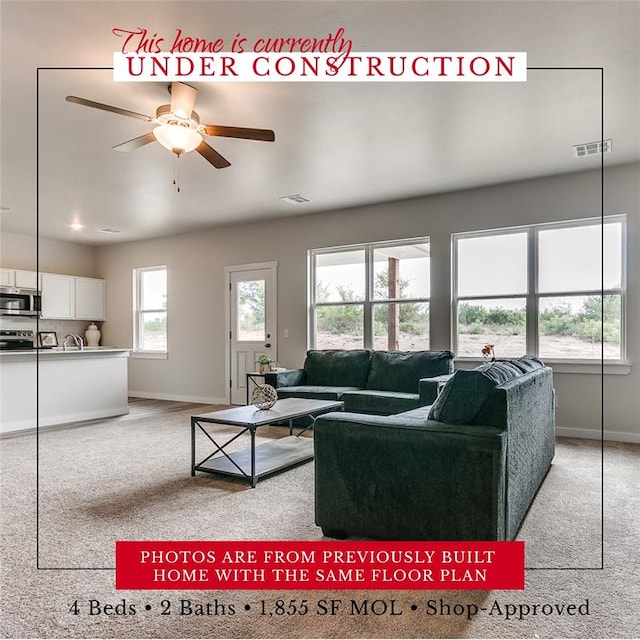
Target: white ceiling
x=338 y=144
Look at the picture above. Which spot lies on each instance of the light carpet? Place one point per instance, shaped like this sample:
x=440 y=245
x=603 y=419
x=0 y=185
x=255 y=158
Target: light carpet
x=130 y=480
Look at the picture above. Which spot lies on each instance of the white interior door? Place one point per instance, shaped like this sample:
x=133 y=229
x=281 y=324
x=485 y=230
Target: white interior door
x=252 y=309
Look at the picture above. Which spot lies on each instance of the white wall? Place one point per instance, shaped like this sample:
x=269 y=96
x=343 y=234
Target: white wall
x=18 y=251
x=195 y=367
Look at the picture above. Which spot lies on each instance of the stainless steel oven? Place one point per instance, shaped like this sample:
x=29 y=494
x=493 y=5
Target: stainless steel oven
x=19 y=302
x=16 y=340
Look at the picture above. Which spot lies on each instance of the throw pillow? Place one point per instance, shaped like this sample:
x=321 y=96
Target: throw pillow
x=464 y=395
x=461 y=397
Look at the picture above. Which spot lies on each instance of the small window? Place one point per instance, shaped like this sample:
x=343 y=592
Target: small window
x=150 y=316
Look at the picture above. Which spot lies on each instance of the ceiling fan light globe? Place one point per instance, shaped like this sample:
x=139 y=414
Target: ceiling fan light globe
x=177 y=138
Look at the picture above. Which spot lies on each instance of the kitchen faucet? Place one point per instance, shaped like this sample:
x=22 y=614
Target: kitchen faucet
x=77 y=340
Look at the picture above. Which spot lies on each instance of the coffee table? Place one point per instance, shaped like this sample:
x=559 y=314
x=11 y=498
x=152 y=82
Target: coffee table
x=257 y=460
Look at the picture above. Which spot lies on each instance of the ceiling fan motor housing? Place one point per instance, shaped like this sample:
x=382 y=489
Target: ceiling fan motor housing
x=164 y=115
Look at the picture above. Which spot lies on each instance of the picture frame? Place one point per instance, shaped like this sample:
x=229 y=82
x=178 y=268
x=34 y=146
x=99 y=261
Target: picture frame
x=47 y=339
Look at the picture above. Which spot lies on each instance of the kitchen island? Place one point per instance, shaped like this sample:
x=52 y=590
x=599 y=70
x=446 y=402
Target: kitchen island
x=48 y=387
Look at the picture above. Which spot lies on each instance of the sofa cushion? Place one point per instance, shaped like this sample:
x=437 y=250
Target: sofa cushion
x=401 y=370
x=313 y=392
x=421 y=413
x=464 y=395
x=337 y=367
x=383 y=403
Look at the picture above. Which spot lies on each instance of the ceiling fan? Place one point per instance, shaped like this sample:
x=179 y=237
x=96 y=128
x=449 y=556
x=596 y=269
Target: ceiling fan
x=178 y=127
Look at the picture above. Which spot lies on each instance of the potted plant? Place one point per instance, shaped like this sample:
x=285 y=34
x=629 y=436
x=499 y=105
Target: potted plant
x=265 y=363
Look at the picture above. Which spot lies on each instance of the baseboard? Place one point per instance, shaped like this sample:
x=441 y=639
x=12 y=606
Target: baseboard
x=590 y=434
x=67 y=423
x=176 y=397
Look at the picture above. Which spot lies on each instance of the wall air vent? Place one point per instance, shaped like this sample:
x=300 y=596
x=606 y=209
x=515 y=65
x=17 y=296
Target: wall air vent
x=591 y=148
x=295 y=199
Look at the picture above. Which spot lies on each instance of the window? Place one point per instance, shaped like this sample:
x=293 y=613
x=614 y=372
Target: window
x=373 y=296
x=150 y=304
x=555 y=290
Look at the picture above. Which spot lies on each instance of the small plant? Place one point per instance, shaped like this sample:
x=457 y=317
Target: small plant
x=266 y=363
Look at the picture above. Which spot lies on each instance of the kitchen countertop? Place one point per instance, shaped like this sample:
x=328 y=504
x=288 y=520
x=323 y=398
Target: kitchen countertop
x=59 y=352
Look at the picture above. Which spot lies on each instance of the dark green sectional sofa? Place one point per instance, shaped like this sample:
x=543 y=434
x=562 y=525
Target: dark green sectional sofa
x=465 y=468
x=372 y=382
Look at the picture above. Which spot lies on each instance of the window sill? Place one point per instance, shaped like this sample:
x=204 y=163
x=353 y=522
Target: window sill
x=609 y=367
x=150 y=355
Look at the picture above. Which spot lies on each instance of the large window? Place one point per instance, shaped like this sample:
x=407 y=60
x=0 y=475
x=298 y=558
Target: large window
x=370 y=296
x=150 y=309
x=554 y=290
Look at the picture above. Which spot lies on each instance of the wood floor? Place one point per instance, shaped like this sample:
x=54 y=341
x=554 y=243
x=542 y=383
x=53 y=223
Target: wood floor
x=142 y=407
x=138 y=408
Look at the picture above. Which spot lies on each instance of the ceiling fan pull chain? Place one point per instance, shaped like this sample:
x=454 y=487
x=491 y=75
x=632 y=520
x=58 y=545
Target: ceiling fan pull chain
x=176 y=174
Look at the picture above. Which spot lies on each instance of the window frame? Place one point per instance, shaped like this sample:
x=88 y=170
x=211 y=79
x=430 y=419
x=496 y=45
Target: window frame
x=369 y=301
x=533 y=296
x=139 y=311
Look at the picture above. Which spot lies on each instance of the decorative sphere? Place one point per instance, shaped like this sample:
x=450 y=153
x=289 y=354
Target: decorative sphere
x=264 y=396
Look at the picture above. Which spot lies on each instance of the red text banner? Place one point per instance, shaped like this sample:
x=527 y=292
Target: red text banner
x=246 y=565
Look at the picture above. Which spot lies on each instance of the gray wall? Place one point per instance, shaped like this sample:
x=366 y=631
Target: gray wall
x=195 y=368
x=19 y=251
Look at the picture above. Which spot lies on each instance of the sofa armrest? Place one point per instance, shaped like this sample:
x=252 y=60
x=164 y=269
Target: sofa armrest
x=429 y=388
x=400 y=478
x=286 y=378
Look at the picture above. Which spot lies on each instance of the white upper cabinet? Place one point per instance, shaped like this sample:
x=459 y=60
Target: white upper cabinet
x=90 y=299
x=58 y=296
x=19 y=279
x=26 y=280
x=63 y=297
x=7 y=278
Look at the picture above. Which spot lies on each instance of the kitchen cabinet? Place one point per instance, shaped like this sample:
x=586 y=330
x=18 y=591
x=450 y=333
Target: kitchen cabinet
x=72 y=297
x=26 y=280
x=7 y=278
x=58 y=296
x=89 y=293
x=18 y=278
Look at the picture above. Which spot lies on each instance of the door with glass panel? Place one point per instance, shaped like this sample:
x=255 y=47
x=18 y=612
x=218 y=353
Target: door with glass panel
x=252 y=323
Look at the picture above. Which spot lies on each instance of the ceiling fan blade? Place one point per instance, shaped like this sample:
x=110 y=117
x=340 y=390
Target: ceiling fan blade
x=183 y=99
x=210 y=154
x=136 y=143
x=107 y=107
x=266 y=135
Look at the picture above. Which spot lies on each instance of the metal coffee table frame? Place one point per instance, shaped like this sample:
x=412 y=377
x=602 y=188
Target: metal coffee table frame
x=264 y=459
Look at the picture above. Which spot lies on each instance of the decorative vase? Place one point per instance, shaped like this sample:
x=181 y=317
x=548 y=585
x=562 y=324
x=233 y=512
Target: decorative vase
x=264 y=396
x=92 y=335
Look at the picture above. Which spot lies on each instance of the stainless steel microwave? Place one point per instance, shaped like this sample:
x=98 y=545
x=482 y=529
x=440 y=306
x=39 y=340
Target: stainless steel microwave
x=19 y=302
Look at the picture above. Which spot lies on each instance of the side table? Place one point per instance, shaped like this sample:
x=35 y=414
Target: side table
x=253 y=376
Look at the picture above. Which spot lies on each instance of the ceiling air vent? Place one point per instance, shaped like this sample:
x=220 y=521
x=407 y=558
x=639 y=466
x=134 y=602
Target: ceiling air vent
x=110 y=231
x=591 y=148
x=295 y=199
